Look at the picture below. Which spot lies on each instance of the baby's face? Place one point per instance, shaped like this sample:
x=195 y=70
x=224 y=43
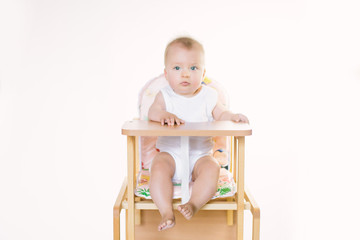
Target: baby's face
x=184 y=69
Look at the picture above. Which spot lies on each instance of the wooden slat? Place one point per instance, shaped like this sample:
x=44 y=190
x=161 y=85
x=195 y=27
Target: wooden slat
x=131 y=186
x=255 y=210
x=240 y=186
x=117 y=209
x=254 y=207
x=256 y=229
x=235 y=159
x=120 y=198
x=231 y=163
x=230 y=215
x=144 y=205
x=137 y=216
x=137 y=155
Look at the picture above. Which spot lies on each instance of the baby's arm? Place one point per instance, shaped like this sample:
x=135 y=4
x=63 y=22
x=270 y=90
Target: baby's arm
x=221 y=113
x=158 y=113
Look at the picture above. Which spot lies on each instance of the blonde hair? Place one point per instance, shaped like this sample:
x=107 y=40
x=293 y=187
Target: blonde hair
x=187 y=42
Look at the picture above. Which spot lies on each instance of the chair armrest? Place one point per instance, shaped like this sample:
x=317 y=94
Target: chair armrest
x=120 y=198
x=254 y=207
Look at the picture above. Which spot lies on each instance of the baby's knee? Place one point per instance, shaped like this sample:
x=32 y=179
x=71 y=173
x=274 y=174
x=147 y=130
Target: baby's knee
x=214 y=165
x=211 y=163
x=163 y=162
x=207 y=165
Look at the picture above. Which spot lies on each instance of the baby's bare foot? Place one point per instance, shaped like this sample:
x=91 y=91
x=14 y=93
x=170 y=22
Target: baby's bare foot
x=187 y=210
x=168 y=221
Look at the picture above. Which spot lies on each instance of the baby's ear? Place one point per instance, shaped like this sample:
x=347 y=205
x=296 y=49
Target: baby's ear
x=165 y=73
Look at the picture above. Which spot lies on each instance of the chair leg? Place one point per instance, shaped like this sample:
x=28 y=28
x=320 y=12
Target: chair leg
x=126 y=225
x=117 y=210
x=137 y=217
x=230 y=215
x=256 y=227
x=255 y=210
x=116 y=228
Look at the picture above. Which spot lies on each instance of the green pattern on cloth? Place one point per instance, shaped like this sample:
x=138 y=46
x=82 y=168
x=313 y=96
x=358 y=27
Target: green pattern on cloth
x=226 y=185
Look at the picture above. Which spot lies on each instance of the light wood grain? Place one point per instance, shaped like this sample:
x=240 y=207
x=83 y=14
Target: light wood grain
x=240 y=186
x=216 y=128
x=217 y=205
x=230 y=215
x=255 y=210
x=131 y=186
x=205 y=225
x=117 y=209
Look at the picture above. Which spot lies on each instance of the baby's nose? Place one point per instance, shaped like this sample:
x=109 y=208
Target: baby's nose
x=185 y=73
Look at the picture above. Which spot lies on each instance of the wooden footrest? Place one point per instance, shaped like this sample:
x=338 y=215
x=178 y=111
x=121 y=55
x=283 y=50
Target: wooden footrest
x=215 y=205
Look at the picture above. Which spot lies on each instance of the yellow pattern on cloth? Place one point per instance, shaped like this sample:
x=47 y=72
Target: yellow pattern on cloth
x=226 y=185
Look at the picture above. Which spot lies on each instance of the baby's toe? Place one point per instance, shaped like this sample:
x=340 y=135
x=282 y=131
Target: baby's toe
x=161 y=226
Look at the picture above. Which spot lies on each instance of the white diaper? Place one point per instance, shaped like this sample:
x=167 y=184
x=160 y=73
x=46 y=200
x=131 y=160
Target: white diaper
x=178 y=158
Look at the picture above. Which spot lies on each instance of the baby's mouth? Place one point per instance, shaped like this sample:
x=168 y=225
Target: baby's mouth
x=184 y=83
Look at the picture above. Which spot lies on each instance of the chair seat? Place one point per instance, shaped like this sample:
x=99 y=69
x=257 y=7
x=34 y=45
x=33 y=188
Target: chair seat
x=226 y=185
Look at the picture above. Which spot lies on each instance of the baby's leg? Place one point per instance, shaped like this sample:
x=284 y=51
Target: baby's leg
x=161 y=187
x=205 y=175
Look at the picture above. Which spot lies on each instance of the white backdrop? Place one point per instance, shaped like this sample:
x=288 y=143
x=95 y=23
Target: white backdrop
x=69 y=77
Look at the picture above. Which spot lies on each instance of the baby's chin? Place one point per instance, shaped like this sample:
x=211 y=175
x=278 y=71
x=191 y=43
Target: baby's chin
x=186 y=91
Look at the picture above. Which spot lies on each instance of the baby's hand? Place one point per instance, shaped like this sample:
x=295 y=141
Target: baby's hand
x=238 y=117
x=170 y=119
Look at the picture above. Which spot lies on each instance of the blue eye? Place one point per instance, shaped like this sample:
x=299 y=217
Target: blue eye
x=193 y=68
x=177 y=68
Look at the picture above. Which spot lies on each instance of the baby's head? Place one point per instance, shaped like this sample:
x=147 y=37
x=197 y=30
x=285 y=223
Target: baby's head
x=185 y=42
x=184 y=65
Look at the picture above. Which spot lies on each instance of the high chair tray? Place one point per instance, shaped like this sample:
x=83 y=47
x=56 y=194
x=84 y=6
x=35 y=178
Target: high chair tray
x=216 y=128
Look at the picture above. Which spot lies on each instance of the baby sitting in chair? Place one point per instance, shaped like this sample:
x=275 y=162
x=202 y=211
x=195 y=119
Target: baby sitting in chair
x=185 y=100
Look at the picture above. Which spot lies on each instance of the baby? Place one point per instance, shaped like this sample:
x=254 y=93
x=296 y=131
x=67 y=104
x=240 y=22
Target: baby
x=185 y=100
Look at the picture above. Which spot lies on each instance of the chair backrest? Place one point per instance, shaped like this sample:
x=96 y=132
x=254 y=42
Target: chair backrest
x=147 y=97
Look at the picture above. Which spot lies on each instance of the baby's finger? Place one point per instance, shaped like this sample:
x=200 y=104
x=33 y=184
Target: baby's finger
x=179 y=121
x=171 y=121
x=245 y=119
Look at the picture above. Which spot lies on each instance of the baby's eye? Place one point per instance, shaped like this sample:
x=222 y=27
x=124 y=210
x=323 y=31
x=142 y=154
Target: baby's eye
x=177 y=68
x=193 y=68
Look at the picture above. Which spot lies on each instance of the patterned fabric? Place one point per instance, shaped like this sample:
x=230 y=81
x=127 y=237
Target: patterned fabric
x=226 y=185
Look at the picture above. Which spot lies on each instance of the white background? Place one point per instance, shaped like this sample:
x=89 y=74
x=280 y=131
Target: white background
x=70 y=72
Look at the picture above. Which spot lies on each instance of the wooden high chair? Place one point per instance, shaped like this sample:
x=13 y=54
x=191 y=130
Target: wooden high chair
x=142 y=220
